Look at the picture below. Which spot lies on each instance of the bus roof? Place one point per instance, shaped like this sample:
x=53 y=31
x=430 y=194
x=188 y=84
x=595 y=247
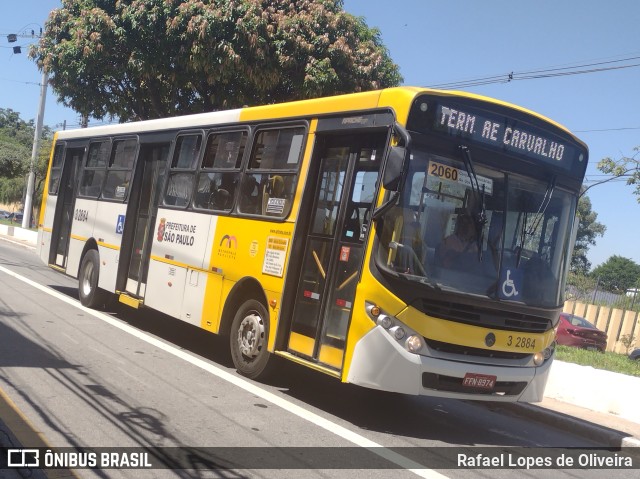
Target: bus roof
x=295 y=109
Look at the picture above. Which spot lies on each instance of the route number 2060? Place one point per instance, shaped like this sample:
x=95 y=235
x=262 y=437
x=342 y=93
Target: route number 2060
x=443 y=171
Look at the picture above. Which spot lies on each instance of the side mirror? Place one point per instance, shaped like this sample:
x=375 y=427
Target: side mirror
x=393 y=168
x=396 y=160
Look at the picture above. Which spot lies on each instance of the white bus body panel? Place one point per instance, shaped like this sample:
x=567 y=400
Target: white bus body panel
x=180 y=257
x=107 y=231
x=165 y=288
x=44 y=241
x=82 y=225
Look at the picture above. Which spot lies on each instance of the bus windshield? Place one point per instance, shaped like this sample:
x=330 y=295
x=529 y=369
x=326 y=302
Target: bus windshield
x=464 y=227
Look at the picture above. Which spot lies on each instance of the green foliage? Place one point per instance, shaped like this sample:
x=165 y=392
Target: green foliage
x=582 y=287
x=618 y=274
x=608 y=361
x=16 y=144
x=588 y=230
x=141 y=59
x=628 y=341
x=625 y=167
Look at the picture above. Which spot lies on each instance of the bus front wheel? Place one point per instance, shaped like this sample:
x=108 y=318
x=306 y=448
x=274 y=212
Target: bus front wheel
x=248 y=340
x=90 y=295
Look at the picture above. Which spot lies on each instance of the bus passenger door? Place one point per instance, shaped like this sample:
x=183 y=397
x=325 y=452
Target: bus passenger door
x=333 y=255
x=141 y=218
x=63 y=218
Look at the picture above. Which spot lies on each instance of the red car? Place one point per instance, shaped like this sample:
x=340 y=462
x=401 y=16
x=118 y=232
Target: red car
x=580 y=333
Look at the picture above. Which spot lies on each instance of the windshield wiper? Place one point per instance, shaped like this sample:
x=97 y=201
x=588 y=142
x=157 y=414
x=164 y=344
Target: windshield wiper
x=544 y=204
x=480 y=217
x=420 y=279
x=542 y=208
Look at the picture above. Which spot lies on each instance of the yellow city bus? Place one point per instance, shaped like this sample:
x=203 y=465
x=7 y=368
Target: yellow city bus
x=407 y=240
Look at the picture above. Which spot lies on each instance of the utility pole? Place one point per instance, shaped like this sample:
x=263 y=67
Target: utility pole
x=28 y=203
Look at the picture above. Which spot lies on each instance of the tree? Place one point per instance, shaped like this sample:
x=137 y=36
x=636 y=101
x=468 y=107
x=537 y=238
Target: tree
x=141 y=59
x=618 y=274
x=588 y=230
x=16 y=142
x=625 y=167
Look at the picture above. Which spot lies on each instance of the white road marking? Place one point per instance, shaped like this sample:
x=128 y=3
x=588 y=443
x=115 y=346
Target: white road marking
x=302 y=413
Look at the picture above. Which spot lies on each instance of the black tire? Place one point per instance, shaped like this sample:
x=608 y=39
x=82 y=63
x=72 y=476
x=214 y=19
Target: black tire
x=248 y=340
x=90 y=295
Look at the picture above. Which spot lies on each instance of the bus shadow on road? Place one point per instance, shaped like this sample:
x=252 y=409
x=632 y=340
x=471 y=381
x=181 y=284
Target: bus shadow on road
x=415 y=418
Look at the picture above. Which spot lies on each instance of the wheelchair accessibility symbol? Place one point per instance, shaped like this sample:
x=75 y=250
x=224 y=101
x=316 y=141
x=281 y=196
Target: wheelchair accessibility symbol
x=508 y=286
x=120 y=225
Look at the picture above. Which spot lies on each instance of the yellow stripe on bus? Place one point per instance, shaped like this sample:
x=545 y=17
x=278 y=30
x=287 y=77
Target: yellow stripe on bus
x=452 y=332
x=109 y=246
x=160 y=259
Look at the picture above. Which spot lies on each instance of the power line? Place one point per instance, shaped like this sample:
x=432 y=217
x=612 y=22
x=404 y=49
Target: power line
x=608 y=129
x=578 y=69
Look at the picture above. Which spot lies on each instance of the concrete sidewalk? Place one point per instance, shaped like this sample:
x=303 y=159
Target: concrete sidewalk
x=597 y=404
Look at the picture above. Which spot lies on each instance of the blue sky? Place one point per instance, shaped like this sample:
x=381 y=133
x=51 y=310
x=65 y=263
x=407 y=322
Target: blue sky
x=438 y=42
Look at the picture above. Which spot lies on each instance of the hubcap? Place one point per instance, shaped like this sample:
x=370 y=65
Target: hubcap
x=87 y=278
x=251 y=335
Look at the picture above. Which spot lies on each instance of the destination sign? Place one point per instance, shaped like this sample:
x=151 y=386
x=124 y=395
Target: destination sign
x=508 y=135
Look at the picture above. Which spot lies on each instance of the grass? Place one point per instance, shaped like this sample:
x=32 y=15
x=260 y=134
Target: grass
x=617 y=363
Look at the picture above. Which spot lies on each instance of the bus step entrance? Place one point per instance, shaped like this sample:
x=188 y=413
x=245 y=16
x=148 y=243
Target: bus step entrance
x=310 y=364
x=129 y=301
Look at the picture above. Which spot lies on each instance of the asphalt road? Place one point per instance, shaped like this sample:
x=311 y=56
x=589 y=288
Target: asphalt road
x=127 y=378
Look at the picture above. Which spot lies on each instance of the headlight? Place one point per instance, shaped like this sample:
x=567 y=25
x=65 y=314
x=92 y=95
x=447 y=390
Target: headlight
x=549 y=351
x=538 y=358
x=398 y=333
x=385 y=321
x=404 y=335
x=414 y=343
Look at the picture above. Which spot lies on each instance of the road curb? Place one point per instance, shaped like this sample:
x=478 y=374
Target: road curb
x=18 y=432
x=608 y=437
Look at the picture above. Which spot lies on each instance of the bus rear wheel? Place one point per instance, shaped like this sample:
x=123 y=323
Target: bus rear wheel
x=90 y=295
x=248 y=340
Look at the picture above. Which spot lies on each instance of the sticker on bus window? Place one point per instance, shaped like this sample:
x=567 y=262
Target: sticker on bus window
x=275 y=206
x=510 y=284
x=446 y=172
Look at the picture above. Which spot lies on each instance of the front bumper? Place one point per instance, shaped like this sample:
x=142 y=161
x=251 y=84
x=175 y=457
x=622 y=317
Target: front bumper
x=379 y=362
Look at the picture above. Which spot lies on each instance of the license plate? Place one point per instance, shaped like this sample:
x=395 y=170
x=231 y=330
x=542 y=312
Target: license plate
x=479 y=381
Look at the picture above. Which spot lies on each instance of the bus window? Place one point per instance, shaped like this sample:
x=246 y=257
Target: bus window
x=180 y=184
x=220 y=171
x=123 y=154
x=56 y=170
x=94 y=170
x=269 y=183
